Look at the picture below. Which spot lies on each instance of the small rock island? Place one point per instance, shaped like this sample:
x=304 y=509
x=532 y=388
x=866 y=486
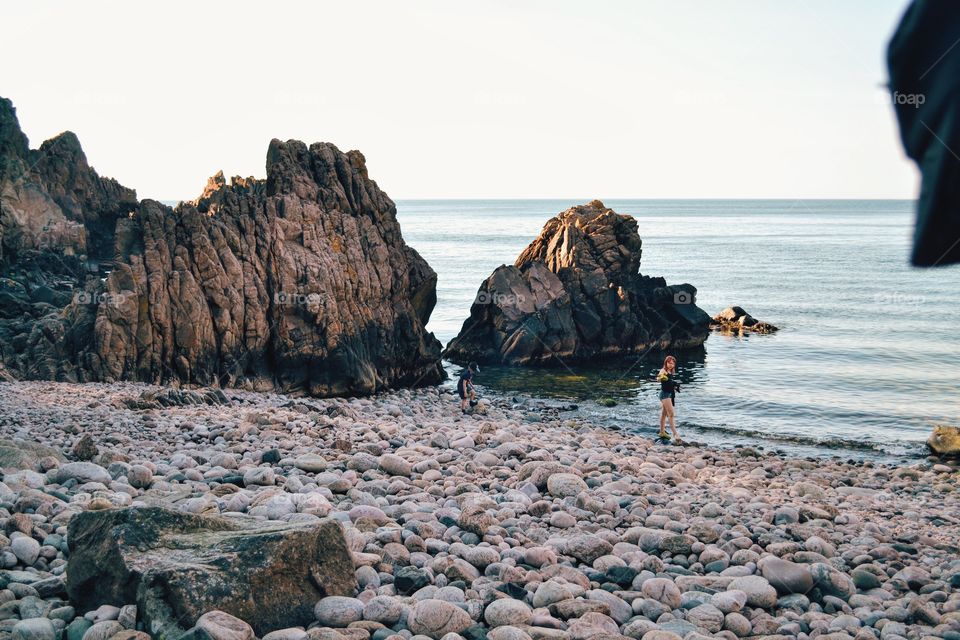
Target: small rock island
x=576 y=294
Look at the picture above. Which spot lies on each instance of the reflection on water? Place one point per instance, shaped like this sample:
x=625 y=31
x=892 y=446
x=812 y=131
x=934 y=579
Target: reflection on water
x=625 y=380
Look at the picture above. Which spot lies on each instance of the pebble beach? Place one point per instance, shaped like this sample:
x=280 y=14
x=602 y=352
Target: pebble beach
x=513 y=523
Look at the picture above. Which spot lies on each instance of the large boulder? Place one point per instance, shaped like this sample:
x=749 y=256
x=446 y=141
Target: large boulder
x=576 y=293
x=179 y=566
x=300 y=281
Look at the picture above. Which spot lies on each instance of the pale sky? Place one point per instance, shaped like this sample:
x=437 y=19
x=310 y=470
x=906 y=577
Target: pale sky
x=450 y=99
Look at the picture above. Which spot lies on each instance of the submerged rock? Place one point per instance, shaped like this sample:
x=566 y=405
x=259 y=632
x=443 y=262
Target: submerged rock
x=178 y=566
x=736 y=319
x=575 y=293
x=301 y=281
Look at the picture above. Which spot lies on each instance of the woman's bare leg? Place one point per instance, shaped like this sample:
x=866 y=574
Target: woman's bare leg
x=665 y=411
x=671 y=414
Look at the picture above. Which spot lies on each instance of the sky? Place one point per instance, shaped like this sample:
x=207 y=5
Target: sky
x=494 y=99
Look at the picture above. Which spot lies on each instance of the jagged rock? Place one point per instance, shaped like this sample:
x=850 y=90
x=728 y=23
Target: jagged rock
x=158 y=398
x=736 y=319
x=301 y=281
x=575 y=293
x=178 y=566
x=51 y=198
x=945 y=440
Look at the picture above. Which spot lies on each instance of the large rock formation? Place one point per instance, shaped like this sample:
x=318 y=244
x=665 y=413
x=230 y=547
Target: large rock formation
x=299 y=281
x=178 y=566
x=575 y=294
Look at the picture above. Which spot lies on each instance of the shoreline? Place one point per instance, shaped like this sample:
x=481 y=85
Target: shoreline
x=725 y=437
x=577 y=527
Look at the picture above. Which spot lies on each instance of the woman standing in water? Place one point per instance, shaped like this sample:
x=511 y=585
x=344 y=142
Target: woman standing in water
x=668 y=391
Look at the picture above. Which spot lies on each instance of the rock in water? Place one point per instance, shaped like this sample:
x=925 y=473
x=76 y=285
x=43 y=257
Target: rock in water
x=736 y=319
x=575 y=293
x=178 y=566
x=298 y=281
x=945 y=440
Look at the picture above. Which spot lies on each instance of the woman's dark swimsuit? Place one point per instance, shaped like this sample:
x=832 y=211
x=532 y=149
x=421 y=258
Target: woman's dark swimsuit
x=465 y=376
x=668 y=388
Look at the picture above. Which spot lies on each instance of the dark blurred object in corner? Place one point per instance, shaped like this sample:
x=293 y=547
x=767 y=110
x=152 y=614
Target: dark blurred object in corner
x=924 y=63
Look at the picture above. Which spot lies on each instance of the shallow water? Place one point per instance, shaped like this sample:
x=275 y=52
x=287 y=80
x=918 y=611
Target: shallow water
x=867 y=359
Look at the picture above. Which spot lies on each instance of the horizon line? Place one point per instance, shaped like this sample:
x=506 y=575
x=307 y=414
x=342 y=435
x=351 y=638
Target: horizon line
x=585 y=200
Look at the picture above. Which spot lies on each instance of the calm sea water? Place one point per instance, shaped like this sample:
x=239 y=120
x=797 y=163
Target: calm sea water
x=867 y=359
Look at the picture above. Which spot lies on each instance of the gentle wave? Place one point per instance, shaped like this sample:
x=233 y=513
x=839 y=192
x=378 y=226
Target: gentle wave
x=826 y=442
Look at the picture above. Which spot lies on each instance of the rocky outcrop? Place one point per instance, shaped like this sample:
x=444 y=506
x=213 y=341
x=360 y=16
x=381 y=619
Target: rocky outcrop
x=179 y=566
x=735 y=319
x=945 y=440
x=301 y=281
x=51 y=199
x=576 y=293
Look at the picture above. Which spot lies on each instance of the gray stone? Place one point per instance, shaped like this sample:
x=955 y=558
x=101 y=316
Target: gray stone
x=223 y=626
x=619 y=610
x=103 y=630
x=383 y=609
x=34 y=629
x=310 y=462
x=550 y=592
x=760 y=593
x=729 y=601
x=436 y=618
x=738 y=624
x=706 y=616
x=259 y=476
x=785 y=576
x=83 y=472
x=832 y=581
x=662 y=590
x=26 y=549
x=562 y=485
x=338 y=611
x=587 y=548
x=507 y=611
x=395 y=465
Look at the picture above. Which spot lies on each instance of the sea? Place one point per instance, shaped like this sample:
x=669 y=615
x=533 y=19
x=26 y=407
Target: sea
x=866 y=362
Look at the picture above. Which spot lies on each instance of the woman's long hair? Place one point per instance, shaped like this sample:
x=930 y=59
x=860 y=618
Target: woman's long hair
x=667 y=361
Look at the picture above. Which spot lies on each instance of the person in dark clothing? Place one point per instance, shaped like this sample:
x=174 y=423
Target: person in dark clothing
x=668 y=393
x=924 y=63
x=468 y=396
